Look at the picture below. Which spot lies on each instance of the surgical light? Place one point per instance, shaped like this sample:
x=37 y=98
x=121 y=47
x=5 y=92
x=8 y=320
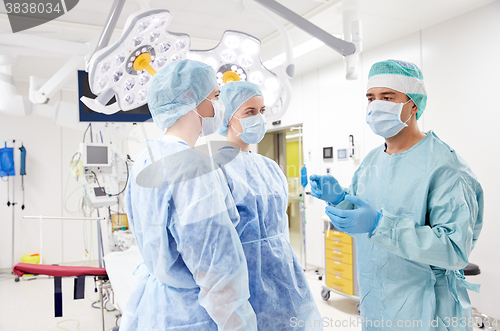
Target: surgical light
x=245 y=60
x=232 y=42
x=228 y=55
x=237 y=58
x=125 y=68
x=250 y=46
x=256 y=78
x=164 y=47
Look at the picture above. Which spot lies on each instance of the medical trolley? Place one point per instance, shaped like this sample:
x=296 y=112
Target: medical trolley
x=340 y=264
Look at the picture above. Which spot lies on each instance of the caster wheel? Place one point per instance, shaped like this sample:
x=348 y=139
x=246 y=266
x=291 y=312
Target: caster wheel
x=325 y=294
x=320 y=277
x=358 y=308
x=17 y=279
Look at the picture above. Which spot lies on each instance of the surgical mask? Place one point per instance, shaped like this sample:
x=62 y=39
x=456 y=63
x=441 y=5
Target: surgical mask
x=210 y=125
x=384 y=117
x=254 y=128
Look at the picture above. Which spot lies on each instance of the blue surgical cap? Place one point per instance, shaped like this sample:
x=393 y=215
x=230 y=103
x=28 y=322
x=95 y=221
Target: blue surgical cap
x=404 y=77
x=177 y=89
x=234 y=95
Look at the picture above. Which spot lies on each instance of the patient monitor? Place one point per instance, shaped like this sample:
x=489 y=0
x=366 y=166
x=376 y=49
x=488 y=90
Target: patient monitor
x=100 y=195
x=96 y=155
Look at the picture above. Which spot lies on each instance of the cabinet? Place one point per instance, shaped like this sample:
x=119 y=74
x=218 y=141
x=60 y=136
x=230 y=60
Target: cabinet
x=340 y=264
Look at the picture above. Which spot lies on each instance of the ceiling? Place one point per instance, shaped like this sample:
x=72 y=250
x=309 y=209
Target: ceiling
x=206 y=20
x=201 y=19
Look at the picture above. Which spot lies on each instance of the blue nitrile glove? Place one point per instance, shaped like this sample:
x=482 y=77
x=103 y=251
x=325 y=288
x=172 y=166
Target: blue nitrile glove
x=362 y=220
x=327 y=188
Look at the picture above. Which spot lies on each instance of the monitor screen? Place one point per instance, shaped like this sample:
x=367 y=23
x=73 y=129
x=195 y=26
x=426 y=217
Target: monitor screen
x=327 y=152
x=99 y=191
x=97 y=155
x=137 y=115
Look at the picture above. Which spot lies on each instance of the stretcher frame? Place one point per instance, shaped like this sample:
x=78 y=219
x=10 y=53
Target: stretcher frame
x=99 y=274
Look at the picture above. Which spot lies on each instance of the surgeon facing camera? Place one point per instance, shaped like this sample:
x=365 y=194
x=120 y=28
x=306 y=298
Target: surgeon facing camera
x=415 y=209
x=244 y=121
x=279 y=292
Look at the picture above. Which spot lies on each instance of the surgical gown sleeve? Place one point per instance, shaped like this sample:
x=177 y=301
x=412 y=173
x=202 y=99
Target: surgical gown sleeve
x=454 y=205
x=210 y=247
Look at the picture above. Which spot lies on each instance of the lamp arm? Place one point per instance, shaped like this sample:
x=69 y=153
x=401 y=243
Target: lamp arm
x=341 y=46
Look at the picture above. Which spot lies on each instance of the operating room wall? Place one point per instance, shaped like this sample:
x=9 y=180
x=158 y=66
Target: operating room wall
x=459 y=58
x=51 y=139
x=49 y=149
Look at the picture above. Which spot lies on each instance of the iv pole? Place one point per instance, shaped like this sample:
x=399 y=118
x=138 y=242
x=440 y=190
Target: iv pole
x=303 y=255
x=303 y=249
x=13 y=209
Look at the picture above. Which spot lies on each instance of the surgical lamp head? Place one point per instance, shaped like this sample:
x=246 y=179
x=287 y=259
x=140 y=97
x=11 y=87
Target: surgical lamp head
x=125 y=68
x=237 y=58
x=177 y=89
x=404 y=77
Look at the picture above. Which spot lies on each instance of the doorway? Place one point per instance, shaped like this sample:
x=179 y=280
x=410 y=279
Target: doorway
x=283 y=146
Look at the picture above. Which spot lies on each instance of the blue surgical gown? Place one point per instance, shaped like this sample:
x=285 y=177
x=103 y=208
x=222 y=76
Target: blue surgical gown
x=279 y=292
x=194 y=276
x=409 y=269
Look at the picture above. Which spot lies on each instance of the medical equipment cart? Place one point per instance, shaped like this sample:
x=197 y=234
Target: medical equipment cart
x=340 y=264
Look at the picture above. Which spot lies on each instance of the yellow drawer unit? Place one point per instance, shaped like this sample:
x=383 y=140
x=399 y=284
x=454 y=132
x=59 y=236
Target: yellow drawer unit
x=340 y=264
x=337 y=236
x=340 y=284
x=339 y=269
x=332 y=255
x=340 y=247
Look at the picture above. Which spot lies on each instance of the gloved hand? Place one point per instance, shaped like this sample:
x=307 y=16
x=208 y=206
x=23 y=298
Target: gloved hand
x=327 y=188
x=362 y=220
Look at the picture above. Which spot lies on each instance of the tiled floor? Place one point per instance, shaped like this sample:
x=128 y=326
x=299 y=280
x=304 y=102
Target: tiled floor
x=338 y=313
x=28 y=305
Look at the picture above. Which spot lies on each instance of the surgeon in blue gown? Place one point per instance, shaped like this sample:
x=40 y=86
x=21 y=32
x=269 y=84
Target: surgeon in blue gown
x=279 y=292
x=415 y=209
x=194 y=276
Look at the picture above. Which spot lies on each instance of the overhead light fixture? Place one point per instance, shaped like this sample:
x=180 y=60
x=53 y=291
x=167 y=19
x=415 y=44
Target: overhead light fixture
x=125 y=69
x=349 y=48
x=237 y=58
